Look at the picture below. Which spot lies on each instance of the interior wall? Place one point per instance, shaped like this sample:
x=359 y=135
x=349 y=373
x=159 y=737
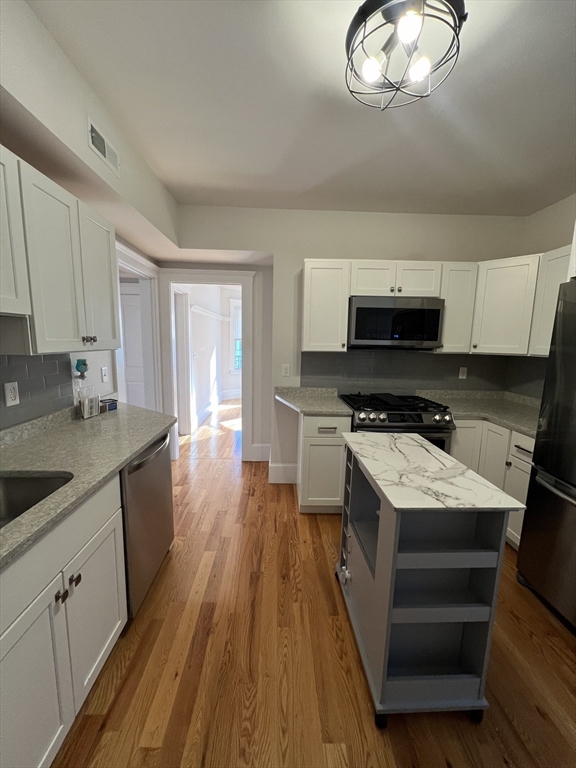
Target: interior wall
x=231 y=380
x=206 y=349
x=97 y=361
x=550 y=228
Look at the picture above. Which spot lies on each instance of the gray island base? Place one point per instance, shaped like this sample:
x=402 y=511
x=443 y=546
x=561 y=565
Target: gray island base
x=420 y=560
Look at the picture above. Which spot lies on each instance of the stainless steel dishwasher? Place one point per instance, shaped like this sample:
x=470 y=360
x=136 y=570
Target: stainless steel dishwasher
x=148 y=517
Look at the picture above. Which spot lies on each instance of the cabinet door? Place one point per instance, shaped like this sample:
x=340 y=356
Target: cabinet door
x=494 y=453
x=466 y=442
x=326 y=294
x=14 y=291
x=516 y=485
x=418 y=278
x=101 y=284
x=55 y=264
x=504 y=303
x=458 y=291
x=323 y=463
x=36 y=702
x=97 y=604
x=373 y=278
x=554 y=267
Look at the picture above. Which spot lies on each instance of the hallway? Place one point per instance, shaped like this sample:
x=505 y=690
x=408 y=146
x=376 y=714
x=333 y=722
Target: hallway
x=242 y=653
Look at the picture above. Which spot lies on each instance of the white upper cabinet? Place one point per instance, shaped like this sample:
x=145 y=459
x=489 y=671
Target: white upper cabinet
x=418 y=278
x=504 y=303
x=395 y=278
x=458 y=291
x=554 y=270
x=55 y=263
x=373 y=278
x=100 y=273
x=325 y=305
x=14 y=291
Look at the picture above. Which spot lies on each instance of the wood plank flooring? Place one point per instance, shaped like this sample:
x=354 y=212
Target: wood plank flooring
x=243 y=655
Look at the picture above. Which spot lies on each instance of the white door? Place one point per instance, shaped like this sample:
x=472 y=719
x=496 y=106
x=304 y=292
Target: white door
x=323 y=464
x=131 y=313
x=14 y=291
x=325 y=306
x=100 y=271
x=418 y=278
x=504 y=303
x=516 y=485
x=36 y=702
x=494 y=453
x=55 y=263
x=373 y=278
x=458 y=290
x=554 y=268
x=466 y=442
x=96 y=607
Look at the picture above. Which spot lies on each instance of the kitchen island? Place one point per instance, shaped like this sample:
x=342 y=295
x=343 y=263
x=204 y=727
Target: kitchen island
x=420 y=560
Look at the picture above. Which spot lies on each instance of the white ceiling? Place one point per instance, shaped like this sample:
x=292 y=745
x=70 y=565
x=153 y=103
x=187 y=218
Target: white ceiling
x=243 y=103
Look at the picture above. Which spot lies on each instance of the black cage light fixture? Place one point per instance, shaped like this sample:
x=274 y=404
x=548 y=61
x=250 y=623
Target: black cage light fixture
x=399 y=51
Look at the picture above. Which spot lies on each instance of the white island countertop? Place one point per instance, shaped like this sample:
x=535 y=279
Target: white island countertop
x=414 y=474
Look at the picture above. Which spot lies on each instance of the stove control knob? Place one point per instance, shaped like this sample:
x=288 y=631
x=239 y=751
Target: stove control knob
x=372 y=417
x=361 y=416
x=437 y=418
x=447 y=418
x=382 y=417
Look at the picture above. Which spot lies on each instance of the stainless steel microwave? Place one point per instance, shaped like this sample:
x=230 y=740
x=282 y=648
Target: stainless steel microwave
x=399 y=323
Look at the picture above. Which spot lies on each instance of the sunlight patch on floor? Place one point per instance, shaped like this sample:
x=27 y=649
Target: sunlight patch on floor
x=233 y=424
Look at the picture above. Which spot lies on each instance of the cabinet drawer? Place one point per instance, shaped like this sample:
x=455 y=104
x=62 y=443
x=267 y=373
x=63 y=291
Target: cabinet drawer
x=522 y=446
x=325 y=426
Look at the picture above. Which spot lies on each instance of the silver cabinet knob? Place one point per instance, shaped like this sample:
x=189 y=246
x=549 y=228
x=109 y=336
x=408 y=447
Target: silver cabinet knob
x=400 y=290
x=94 y=338
x=474 y=346
x=391 y=289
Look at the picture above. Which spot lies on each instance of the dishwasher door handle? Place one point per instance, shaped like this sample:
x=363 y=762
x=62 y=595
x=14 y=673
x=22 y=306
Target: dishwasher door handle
x=144 y=462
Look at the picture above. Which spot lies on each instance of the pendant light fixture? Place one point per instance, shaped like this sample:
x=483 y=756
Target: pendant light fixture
x=399 y=51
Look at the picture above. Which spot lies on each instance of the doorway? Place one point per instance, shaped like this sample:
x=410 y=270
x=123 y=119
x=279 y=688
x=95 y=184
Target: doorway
x=208 y=360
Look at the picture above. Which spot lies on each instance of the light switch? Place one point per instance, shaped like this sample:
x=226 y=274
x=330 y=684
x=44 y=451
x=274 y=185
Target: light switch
x=11 y=393
x=463 y=373
x=104 y=371
x=285 y=369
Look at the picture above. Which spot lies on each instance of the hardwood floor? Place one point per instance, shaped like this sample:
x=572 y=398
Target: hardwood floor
x=243 y=655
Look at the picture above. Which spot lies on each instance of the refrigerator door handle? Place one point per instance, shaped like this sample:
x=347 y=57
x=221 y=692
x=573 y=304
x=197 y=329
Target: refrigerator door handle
x=555 y=491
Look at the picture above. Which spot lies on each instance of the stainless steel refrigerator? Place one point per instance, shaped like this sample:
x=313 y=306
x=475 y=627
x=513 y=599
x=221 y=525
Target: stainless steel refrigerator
x=547 y=555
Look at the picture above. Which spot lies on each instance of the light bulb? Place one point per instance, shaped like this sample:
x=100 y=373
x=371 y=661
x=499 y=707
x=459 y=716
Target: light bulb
x=409 y=27
x=371 y=69
x=420 y=69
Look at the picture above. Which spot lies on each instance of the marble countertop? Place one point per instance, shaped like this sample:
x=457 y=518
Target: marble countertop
x=93 y=451
x=414 y=474
x=313 y=401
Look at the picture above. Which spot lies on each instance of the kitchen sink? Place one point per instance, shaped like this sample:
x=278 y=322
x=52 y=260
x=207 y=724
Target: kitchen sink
x=21 y=490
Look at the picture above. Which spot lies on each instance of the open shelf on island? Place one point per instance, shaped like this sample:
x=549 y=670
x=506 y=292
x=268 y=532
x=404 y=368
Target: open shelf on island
x=364 y=515
x=443 y=595
x=444 y=554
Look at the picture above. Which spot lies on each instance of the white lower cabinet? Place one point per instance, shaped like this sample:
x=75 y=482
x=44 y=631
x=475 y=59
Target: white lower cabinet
x=516 y=485
x=58 y=630
x=36 y=701
x=466 y=442
x=321 y=463
x=494 y=453
x=96 y=610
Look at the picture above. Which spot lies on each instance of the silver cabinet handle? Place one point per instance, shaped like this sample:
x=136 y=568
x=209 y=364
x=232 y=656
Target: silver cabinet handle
x=94 y=338
x=508 y=463
x=521 y=448
x=555 y=491
x=141 y=464
x=327 y=429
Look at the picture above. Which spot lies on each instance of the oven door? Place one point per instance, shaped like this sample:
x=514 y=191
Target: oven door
x=441 y=440
x=382 y=321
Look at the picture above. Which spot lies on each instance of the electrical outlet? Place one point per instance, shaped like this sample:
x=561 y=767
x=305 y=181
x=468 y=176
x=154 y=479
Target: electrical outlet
x=104 y=371
x=286 y=369
x=463 y=373
x=11 y=393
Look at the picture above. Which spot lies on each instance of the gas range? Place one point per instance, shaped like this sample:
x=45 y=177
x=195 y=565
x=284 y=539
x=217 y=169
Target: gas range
x=398 y=413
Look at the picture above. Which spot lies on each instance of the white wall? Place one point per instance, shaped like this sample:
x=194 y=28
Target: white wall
x=96 y=361
x=206 y=349
x=230 y=380
x=550 y=228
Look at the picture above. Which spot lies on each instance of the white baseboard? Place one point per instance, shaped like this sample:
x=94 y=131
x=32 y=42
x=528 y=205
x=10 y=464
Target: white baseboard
x=259 y=452
x=230 y=394
x=283 y=473
x=202 y=414
x=512 y=538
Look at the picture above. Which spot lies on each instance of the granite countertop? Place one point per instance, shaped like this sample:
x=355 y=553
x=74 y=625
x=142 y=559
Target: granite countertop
x=414 y=474
x=313 y=401
x=93 y=451
x=504 y=409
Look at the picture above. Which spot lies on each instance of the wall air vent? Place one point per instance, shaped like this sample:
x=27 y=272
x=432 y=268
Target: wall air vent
x=103 y=148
